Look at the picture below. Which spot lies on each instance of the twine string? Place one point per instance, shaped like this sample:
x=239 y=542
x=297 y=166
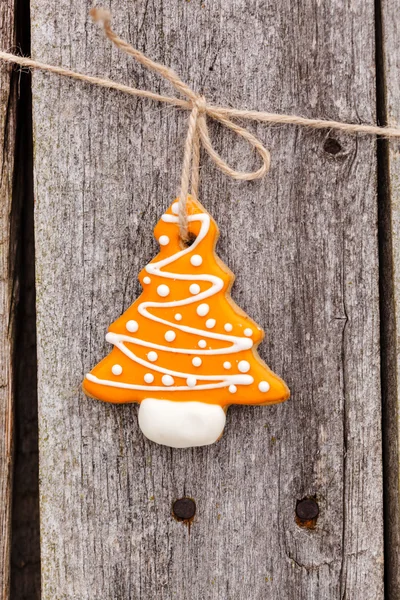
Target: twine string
x=195 y=166
x=198 y=134
x=188 y=162
x=197 y=126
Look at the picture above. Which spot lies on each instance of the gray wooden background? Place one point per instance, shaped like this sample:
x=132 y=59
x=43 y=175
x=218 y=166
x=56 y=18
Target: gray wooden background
x=313 y=269
x=389 y=166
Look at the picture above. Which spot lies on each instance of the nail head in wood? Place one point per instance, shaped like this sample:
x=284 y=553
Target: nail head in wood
x=307 y=509
x=184 y=509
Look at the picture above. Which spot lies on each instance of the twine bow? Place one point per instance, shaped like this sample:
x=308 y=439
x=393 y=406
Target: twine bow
x=198 y=133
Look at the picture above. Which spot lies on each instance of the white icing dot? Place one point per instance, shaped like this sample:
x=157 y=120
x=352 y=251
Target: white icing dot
x=163 y=290
x=196 y=260
x=196 y=362
x=248 y=332
x=194 y=288
x=167 y=380
x=146 y=280
x=163 y=240
x=152 y=356
x=263 y=386
x=244 y=366
x=116 y=369
x=232 y=389
x=132 y=326
x=191 y=381
x=227 y=365
x=178 y=317
x=228 y=327
x=210 y=323
x=149 y=378
x=202 y=310
x=202 y=343
x=175 y=208
x=170 y=336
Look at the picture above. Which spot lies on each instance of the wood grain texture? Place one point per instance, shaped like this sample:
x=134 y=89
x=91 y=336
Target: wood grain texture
x=389 y=70
x=303 y=244
x=7 y=289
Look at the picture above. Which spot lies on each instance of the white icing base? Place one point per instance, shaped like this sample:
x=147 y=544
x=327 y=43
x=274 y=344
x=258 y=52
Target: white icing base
x=181 y=424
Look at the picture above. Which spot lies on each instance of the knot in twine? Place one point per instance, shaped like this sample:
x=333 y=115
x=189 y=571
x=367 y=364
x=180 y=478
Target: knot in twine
x=201 y=104
x=198 y=133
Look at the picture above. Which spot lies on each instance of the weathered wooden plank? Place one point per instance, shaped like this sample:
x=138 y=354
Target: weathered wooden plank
x=389 y=88
x=7 y=289
x=303 y=244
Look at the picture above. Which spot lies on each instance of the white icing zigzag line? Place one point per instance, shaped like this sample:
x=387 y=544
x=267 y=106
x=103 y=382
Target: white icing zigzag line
x=238 y=378
x=156 y=388
x=113 y=338
x=238 y=343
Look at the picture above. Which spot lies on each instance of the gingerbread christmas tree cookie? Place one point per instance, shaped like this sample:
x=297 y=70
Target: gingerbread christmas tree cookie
x=184 y=350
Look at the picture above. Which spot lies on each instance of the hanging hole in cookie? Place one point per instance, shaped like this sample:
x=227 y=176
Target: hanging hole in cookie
x=191 y=238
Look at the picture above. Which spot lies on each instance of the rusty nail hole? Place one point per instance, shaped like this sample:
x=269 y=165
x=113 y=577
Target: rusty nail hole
x=332 y=146
x=307 y=511
x=184 y=509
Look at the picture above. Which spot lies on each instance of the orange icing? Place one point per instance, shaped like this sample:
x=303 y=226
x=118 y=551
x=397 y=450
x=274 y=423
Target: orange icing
x=128 y=373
